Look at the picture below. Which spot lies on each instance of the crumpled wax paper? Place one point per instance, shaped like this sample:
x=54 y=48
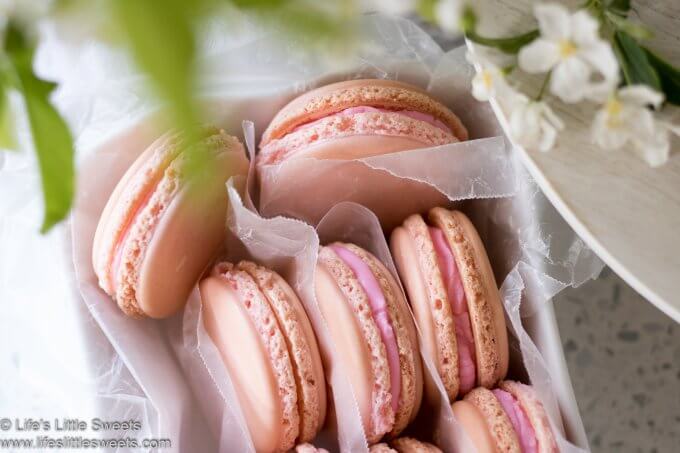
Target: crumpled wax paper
x=143 y=368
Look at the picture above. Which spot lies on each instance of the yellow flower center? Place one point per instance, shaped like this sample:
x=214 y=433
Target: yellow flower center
x=487 y=79
x=613 y=109
x=567 y=48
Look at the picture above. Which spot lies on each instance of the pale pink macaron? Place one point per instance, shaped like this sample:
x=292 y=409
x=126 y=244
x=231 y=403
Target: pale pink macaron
x=160 y=229
x=267 y=344
x=358 y=118
x=374 y=337
x=508 y=419
x=404 y=445
x=451 y=287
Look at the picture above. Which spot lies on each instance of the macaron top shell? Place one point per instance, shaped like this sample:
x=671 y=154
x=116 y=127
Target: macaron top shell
x=497 y=422
x=411 y=445
x=136 y=250
x=336 y=97
x=275 y=366
x=302 y=346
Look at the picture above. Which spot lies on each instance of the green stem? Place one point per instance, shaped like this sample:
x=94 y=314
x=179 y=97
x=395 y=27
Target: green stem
x=509 y=45
x=545 y=84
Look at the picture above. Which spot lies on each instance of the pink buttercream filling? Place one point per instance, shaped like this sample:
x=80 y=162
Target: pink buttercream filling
x=520 y=421
x=420 y=116
x=455 y=291
x=122 y=238
x=376 y=300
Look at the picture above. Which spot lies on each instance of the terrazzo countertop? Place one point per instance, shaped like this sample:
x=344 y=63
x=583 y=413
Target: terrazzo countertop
x=624 y=360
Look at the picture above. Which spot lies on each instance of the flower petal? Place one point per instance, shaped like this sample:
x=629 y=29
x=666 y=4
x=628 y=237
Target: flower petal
x=641 y=95
x=600 y=56
x=606 y=136
x=570 y=80
x=539 y=56
x=553 y=21
x=448 y=14
x=584 y=28
x=656 y=151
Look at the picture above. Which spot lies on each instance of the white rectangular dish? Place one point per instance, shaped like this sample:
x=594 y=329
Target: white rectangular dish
x=533 y=251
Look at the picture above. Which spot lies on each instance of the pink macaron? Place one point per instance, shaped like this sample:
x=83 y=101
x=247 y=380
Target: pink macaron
x=404 y=445
x=358 y=118
x=374 y=337
x=160 y=229
x=451 y=287
x=509 y=418
x=267 y=344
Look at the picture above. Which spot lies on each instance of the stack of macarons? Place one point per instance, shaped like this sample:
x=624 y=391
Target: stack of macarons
x=451 y=287
x=509 y=418
x=136 y=255
x=358 y=118
x=267 y=344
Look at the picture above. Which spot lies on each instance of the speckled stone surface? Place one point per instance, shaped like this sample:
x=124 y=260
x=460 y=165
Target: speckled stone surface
x=624 y=360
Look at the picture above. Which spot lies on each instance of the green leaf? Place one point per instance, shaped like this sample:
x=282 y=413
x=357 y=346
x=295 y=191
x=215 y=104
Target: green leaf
x=161 y=39
x=668 y=75
x=620 y=7
x=51 y=136
x=634 y=63
x=509 y=45
x=425 y=9
x=637 y=31
x=8 y=139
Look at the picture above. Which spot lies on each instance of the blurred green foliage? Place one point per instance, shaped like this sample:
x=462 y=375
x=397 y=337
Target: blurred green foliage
x=51 y=136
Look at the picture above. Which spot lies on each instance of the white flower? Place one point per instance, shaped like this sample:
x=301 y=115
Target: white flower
x=533 y=123
x=489 y=80
x=448 y=14
x=397 y=7
x=625 y=117
x=571 y=47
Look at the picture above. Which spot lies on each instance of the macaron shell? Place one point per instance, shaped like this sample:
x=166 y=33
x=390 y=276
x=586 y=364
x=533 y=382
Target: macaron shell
x=411 y=445
x=381 y=420
x=440 y=308
x=404 y=253
x=186 y=237
x=409 y=361
x=352 y=353
x=474 y=425
x=381 y=448
x=308 y=448
x=535 y=412
x=302 y=347
x=319 y=139
x=339 y=96
x=483 y=298
x=499 y=425
x=247 y=361
x=135 y=185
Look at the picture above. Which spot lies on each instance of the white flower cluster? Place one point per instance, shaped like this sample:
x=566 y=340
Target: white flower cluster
x=579 y=66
